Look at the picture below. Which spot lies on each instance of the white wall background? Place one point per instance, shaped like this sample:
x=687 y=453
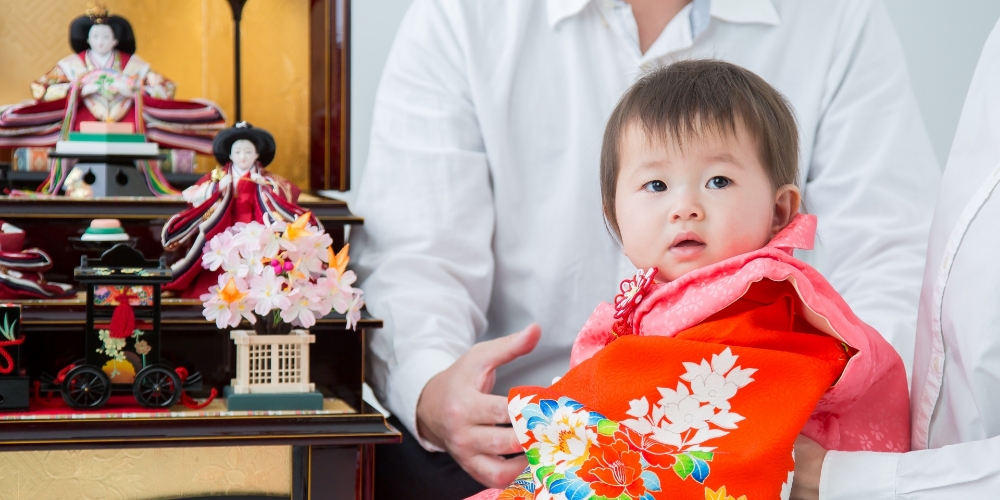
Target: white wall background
x=942 y=40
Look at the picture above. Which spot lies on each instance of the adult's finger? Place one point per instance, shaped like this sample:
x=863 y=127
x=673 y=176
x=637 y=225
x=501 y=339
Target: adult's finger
x=488 y=355
x=488 y=440
x=487 y=409
x=494 y=472
x=809 y=456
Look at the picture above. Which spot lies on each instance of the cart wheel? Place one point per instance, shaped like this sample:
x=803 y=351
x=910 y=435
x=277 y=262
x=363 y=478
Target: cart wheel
x=86 y=387
x=157 y=387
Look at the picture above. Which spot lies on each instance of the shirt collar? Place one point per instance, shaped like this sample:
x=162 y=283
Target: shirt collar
x=746 y=11
x=734 y=11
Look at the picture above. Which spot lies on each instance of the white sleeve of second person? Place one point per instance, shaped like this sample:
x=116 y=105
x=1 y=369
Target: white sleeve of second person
x=424 y=253
x=956 y=472
x=873 y=179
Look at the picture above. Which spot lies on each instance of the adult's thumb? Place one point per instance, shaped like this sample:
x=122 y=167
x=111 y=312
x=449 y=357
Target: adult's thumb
x=503 y=350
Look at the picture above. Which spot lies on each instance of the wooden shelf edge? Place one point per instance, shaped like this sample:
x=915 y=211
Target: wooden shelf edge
x=312 y=430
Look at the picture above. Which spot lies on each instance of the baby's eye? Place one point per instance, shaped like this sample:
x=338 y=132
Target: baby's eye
x=655 y=186
x=718 y=182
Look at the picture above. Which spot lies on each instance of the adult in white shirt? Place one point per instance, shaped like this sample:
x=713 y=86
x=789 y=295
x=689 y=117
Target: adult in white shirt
x=481 y=194
x=956 y=372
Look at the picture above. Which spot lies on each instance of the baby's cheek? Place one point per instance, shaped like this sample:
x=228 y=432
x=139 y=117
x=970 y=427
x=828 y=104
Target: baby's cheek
x=742 y=236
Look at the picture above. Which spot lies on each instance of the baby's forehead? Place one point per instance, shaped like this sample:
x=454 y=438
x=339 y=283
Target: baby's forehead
x=683 y=139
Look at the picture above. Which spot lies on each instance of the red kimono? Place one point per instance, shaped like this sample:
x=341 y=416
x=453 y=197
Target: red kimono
x=697 y=388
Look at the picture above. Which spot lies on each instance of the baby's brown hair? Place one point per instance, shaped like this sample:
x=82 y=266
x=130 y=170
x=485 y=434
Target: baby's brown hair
x=691 y=97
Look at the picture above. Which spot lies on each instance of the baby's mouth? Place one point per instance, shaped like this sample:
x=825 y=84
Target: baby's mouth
x=689 y=243
x=686 y=245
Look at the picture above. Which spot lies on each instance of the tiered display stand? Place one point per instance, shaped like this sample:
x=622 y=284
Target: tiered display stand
x=333 y=447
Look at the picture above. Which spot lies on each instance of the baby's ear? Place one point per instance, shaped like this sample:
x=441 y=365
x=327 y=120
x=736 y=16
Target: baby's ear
x=786 y=206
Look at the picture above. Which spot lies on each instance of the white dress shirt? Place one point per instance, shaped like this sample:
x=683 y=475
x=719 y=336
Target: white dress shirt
x=956 y=372
x=481 y=195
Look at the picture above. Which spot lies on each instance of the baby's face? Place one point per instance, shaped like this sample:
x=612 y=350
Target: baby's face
x=680 y=209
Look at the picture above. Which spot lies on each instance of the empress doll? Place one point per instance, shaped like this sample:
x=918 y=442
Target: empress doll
x=240 y=190
x=104 y=80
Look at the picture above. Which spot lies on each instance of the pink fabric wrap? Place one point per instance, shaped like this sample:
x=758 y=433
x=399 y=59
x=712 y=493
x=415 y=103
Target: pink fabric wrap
x=867 y=409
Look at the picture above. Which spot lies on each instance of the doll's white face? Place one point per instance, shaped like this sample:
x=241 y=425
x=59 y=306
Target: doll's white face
x=102 y=39
x=243 y=155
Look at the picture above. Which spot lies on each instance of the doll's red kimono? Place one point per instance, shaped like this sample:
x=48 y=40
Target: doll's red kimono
x=697 y=388
x=219 y=201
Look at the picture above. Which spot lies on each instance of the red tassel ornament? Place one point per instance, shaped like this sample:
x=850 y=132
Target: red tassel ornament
x=123 y=319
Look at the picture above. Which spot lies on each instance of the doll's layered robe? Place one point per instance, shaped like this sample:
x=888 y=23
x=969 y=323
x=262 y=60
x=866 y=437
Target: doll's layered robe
x=58 y=108
x=216 y=206
x=700 y=386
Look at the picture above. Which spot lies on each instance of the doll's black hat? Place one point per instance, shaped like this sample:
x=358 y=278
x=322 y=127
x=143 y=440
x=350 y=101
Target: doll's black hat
x=222 y=146
x=79 y=31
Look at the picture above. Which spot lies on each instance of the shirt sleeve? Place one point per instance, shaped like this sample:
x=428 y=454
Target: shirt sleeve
x=424 y=254
x=873 y=178
x=960 y=471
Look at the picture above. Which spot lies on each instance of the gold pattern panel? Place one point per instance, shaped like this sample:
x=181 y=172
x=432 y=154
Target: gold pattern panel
x=190 y=42
x=141 y=474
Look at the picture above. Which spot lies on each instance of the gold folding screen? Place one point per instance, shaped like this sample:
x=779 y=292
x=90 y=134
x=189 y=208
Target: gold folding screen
x=142 y=474
x=190 y=42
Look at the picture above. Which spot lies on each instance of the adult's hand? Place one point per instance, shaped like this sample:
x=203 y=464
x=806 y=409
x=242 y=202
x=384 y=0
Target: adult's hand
x=809 y=457
x=457 y=412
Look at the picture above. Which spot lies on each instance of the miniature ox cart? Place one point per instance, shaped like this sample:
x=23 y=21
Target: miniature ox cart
x=122 y=336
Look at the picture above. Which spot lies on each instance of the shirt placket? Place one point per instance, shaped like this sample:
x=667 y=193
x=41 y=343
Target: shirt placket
x=932 y=388
x=676 y=36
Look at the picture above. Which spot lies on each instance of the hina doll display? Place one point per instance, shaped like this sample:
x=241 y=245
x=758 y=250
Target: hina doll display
x=105 y=81
x=238 y=191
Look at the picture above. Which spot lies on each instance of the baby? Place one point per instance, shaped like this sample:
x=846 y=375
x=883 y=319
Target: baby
x=724 y=347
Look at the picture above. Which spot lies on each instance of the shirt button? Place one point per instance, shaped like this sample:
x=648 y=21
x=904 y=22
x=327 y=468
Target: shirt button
x=937 y=364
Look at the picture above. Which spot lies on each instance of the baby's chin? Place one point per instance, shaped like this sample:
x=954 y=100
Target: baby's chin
x=671 y=270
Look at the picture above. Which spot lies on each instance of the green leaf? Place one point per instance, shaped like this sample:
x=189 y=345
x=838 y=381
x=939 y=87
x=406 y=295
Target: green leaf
x=534 y=457
x=704 y=455
x=542 y=472
x=607 y=427
x=683 y=466
x=624 y=496
x=553 y=477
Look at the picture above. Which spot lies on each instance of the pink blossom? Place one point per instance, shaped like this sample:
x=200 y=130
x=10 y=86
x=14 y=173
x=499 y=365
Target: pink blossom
x=301 y=310
x=267 y=290
x=218 y=251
